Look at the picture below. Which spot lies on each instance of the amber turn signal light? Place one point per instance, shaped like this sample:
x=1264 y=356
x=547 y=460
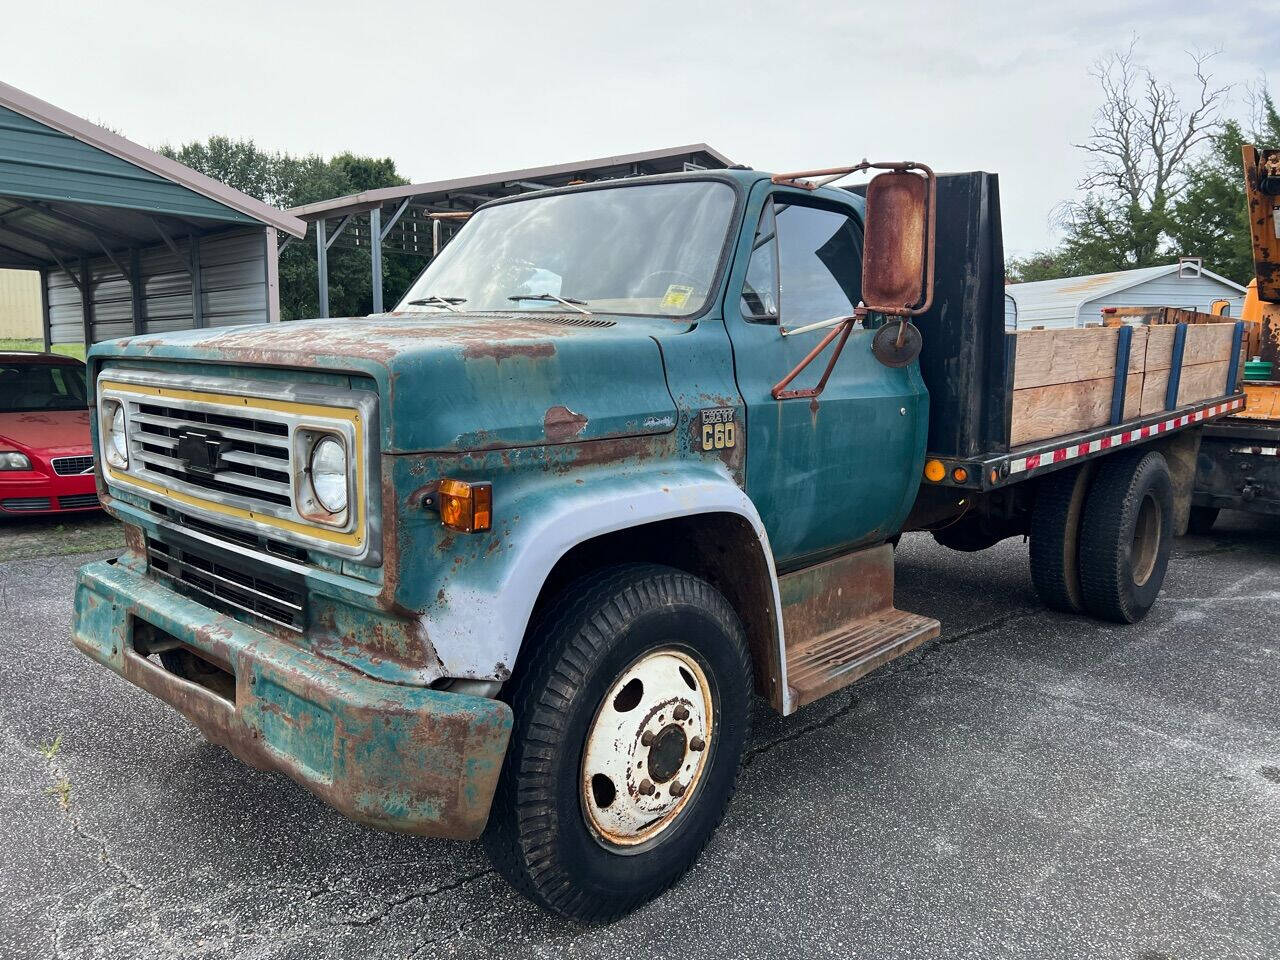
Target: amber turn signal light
x=466 y=507
x=934 y=471
x=959 y=474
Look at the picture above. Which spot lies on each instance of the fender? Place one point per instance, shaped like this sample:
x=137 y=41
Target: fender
x=478 y=626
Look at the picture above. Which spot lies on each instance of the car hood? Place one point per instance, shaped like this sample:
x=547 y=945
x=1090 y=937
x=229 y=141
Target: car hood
x=454 y=382
x=47 y=431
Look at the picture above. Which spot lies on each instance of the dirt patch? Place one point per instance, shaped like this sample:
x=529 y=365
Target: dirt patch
x=51 y=536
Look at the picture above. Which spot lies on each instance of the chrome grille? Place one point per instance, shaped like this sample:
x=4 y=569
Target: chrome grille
x=70 y=466
x=258 y=452
x=233 y=452
x=229 y=586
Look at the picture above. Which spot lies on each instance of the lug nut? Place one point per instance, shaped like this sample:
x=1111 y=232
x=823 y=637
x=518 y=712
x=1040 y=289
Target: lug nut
x=647 y=738
x=681 y=712
x=646 y=786
x=697 y=743
x=677 y=788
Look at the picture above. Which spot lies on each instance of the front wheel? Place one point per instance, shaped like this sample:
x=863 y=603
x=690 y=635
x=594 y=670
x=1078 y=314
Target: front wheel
x=630 y=721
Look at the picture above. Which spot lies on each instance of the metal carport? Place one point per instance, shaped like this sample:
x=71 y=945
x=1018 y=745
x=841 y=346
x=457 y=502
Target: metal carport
x=127 y=241
x=416 y=220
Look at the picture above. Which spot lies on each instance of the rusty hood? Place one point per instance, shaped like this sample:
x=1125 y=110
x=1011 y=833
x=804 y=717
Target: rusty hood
x=455 y=382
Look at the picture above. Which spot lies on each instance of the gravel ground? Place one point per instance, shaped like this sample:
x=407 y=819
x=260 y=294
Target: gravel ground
x=1031 y=785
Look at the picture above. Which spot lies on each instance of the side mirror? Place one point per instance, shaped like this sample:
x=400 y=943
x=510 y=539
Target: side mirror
x=898 y=241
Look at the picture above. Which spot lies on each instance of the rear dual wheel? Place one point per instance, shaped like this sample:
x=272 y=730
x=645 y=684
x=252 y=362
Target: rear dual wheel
x=631 y=717
x=1100 y=537
x=1126 y=536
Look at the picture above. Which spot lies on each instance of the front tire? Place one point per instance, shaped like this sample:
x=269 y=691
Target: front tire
x=1126 y=536
x=630 y=721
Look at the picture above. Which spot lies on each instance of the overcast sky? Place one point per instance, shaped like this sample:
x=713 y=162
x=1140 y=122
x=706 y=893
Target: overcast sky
x=455 y=89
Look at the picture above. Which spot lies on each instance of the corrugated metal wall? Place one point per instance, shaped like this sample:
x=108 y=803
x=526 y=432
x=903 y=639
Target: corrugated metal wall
x=1189 y=293
x=20 y=304
x=233 y=290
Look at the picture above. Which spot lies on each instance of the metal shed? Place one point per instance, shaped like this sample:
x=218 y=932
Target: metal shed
x=1077 y=301
x=418 y=219
x=127 y=241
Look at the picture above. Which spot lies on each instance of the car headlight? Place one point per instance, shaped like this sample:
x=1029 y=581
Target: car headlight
x=114 y=445
x=12 y=460
x=328 y=473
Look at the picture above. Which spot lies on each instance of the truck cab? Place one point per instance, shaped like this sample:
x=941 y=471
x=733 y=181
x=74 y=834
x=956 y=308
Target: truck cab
x=520 y=552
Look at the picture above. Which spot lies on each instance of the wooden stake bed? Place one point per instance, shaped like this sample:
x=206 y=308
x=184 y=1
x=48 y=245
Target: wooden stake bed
x=1064 y=381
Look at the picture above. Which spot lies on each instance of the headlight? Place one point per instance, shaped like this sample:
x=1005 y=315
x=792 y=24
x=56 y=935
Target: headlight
x=114 y=445
x=12 y=460
x=328 y=470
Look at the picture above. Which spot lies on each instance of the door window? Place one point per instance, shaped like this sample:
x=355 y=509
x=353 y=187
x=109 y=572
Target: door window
x=806 y=265
x=760 y=290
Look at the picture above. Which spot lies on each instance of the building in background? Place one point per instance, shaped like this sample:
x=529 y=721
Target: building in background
x=19 y=305
x=1079 y=301
x=123 y=240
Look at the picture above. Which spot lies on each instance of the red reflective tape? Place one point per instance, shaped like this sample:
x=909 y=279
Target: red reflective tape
x=1059 y=455
x=1082 y=450
x=1033 y=461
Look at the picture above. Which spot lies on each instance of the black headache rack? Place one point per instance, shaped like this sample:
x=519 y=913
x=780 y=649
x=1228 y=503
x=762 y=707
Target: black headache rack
x=968 y=358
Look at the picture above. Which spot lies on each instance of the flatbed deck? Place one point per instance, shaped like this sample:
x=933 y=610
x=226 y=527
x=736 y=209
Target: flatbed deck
x=1034 y=459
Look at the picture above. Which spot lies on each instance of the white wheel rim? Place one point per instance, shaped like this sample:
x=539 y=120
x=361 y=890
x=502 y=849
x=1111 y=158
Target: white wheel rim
x=647 y=748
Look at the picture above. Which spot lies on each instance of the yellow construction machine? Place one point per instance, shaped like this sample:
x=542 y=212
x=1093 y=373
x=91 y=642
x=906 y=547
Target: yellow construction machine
x=1239 y=461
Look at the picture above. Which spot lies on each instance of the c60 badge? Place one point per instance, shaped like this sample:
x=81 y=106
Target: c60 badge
x=719 y=430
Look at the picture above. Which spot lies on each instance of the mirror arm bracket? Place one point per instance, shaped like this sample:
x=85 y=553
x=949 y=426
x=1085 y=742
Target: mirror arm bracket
x=840 y=331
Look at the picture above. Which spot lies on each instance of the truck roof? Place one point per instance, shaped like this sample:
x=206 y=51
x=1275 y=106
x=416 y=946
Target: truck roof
x=742 y=177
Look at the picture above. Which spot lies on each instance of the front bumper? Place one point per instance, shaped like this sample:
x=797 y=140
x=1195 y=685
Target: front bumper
x=27 y=493
x=391 y=756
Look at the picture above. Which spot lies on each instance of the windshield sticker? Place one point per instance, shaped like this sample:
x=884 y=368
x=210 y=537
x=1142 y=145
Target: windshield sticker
x=678 y=295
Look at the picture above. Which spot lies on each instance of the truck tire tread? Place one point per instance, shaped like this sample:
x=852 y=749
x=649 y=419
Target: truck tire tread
x=1118 y=487
x=574 y=629
x=1055 y=538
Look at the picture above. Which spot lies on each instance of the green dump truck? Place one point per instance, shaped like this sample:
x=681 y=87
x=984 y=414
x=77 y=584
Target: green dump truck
x=513 y=559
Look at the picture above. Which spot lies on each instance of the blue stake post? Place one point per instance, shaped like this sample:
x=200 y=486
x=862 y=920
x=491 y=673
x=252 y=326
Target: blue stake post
x=1175 y=366
x=1233 y=369
x=1118 y=388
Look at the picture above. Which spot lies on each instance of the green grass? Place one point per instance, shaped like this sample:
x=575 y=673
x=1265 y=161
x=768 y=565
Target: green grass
x=66 y=349
x=52 y=535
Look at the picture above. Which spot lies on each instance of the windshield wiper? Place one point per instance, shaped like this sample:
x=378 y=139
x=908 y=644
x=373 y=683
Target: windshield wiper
x=433 y=301
x=569 y=302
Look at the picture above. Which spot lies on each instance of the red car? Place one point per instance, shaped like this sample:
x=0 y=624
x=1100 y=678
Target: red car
x=46 y=456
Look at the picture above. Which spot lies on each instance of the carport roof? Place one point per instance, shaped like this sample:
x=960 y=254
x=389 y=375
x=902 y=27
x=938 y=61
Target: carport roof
x=492 y=185
x=69 y=188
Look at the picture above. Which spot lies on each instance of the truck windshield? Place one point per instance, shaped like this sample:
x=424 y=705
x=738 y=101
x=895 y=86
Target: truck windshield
x=644 y=249
x=26 y=386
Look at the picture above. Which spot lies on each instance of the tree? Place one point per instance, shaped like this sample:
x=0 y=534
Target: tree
x=285 y=180
x=1142 y=146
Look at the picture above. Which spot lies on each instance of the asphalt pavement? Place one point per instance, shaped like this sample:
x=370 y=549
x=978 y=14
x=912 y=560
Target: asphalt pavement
x=1030 y=785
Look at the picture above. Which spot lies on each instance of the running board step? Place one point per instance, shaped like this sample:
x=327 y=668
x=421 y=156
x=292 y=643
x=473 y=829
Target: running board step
x=841 y=623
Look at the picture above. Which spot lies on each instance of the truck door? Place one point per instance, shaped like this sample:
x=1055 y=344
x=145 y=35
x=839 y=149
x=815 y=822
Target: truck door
x=842 y=470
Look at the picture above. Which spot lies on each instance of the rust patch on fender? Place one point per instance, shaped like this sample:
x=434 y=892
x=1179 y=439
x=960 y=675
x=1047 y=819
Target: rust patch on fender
x=562 y=424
